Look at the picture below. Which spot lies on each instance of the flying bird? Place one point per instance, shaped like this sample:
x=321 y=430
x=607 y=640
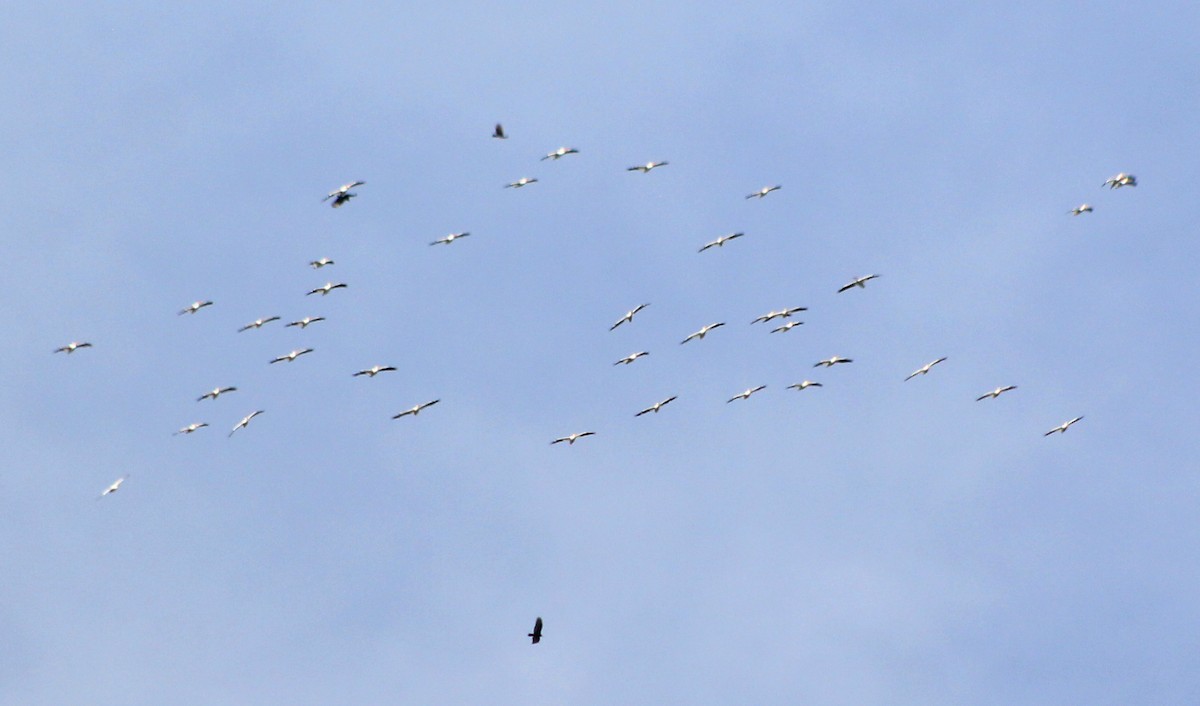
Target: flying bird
x=645 y=168
x=560 y=153
x=327 y=288
x=830 y=362
x=861 y=282
x=523 y=181
x=191 y=428
x=745 y=395
x=245 y=421
x=1120 y=180
x=318 y=264
x=303 y=323
x=1062 y=428
x=498 y=133
x=450 y=238
x=764 y=191
x=702 y=332
x=115 y=487
x=342 y=194
x=374 y=370
x=631 y=357
x=1082 y=208
x=720 y=242
x=571 y=439
x=72 y=347
x=924 y=369
x=292 y=356
x=215 y=393
x=787 y=327
x=628 y=317
x=194 y=307
x=258 y=323
x=537 y=632
x=416 y=409
x=804 y=385
x=655 y=407
x=781 y=314
x=995 y=393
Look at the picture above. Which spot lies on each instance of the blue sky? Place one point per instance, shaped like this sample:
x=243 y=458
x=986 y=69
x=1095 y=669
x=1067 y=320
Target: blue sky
x=871 y=541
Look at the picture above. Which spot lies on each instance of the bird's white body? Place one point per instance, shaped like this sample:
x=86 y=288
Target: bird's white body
x=450 y=238
x=523 y=181
x=72 y=347
x=764 y=191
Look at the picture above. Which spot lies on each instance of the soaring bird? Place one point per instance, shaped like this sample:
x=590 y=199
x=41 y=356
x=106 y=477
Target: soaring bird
x=116 y=485
x=720 y=242
x=1082 y=208
x=1062 y=428
x=764 y=191
x=787 y=327
x=570 y=439
x=292 y=356
x=215 y=393
x=628 y=317
x=327 y=288
x=1120 y=180
x=745 y=395
x=318 y=264
x=523 y=181
x=342 y=194
x=416 y=409
x=995 y=393
x=830 y=362
x=194 y=307
x=245 y=421
x=702 y=332
x=498 y=133
x=804 y=385
x=560 y=153
x=781 y=314
x=72 y=347
x=631 y=357
x=861 y=282
x=924 y=369
x=450 y=238
x=258 y=323
x=644 y=168
x=191 y=428
x=303 y=323
x=374 y=370
x=655 y=407
x=537 y=632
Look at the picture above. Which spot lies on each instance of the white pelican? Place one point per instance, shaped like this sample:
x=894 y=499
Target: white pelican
x=781 y=314
x=745 y=395
x=318 y=264
x=628 y=317
x=191 y=428
x=655 y=407
x=72 y=347
x=246 y=420
x=1062 y=428
x=194 y=307
x=702 y=332
x=572 y=438
x=1082 y=208
x=720 y=242
x=804 y=385
x=116 y=485
x=830 y=362
x=416 y=409
x=374 y=370
x=292 y=356
x=995 y=393
x=924 y=369
x=645 y=168
x=258 y=323
x=450 y=238
x=342 y=194
x=764 y=191
x=523 y=181
x=560 y=153
x=327 y=288
x=303 y=323
x=498 y=133
x=1120 y=180
x=215 y=393
x=631 y=357
x=861 y=282
x=787 y=327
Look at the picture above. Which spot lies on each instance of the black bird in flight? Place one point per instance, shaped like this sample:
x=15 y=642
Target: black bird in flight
x=537 y=632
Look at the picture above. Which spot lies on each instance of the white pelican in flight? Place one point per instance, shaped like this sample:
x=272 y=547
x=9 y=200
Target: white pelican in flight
x=245 y=421
x=191 y=428
x=720 y=242
x=781 y=314
x=995 y=393
x=645 y=168
x=258 y=323
x=116 y=485
x=342 y=194
x=303 y=323
x=292 y=356
x=804 y=385
x=450 y=238
x=194 y=307
x=830 y=362
x=523 y=181
x=787 y=327
x=572 y=438
x=764 y=191
x=374 y=370
x=745 y=395
x=1120 y=180
x=215 y=393
x=1062 y=428
x=924 y=369
x=72 y=347
x=702 y=332
x=416 y=409
x=318 y=264
x=631 y=357
x=327 y=288
x=861 y=282
x=655 y=407
x=1082 y=208
x=560 y=153
x=628 y=317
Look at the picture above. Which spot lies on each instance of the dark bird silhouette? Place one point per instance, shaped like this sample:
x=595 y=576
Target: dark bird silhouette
x=536 y=635
x=498 y=133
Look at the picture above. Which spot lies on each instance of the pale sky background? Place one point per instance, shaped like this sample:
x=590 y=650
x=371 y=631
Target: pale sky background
x=872 y=541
